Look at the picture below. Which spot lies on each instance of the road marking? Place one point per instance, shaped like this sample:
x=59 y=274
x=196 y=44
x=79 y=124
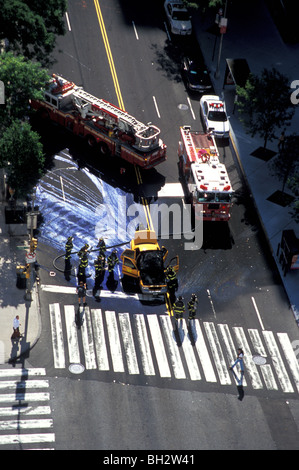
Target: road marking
x=145 y=350
x=175 y=358
x=26 y=384
x=203 y=352
x=290 y=356
x=68 y=21
x=230 y=349
x=127 y=336
x=72 y=336
x=189 y=353
x=26 y=438
x=114 y=341
x=277 y=362
x=100 y=343
x=57 y=336
x=54 y=289
x=257 y=312
x=135 y=30
x=87 y=340
x=217 y=353
x=191 y=109
x=158 y=346
x=266 y=369
x=156 y=106
x=21 y=373
x=25 y=410
x=19 y=396
x=211 y=302
x=250 y=365
x=20 y=424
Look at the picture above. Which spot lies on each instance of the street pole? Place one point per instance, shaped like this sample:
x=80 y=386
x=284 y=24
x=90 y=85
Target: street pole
x=217 y=73
x=28 y=295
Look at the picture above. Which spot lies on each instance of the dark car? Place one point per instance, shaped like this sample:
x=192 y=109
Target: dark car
x=196 y=75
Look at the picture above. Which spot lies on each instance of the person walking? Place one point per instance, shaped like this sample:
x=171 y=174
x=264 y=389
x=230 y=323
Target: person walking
x=192 y=305
x=239 y=361
x=81 y=291
x=16 y=328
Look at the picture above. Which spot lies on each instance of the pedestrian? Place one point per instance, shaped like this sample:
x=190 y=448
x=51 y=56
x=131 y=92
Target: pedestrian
x=179 y=308
x=112 y=261
x=68 y=248
x=281 y=141
x=239 y=361
x=81 y=291
x=16 y=328
x=192 y=305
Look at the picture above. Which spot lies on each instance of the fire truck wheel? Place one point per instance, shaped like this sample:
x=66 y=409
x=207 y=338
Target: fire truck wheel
x=91 y=141
x=104 y=149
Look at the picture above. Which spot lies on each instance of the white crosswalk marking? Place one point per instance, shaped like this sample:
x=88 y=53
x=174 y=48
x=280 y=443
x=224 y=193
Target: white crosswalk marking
x=24 y=418
x=147 y=344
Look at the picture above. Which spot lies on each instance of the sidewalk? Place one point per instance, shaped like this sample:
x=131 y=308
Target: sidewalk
x=13 y=243
x=257 y=40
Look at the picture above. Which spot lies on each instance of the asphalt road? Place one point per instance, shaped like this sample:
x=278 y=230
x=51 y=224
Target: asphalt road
x=233 y=273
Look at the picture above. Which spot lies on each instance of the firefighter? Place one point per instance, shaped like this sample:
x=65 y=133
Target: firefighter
x=179 y=308
x=68 y=248
x=83 y=250
x=171 y=279
x=102 y=246
x=82 y=267
x=112 y=261
x=192 y=305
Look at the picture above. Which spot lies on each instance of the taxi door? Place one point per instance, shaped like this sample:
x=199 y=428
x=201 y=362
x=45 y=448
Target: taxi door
x=129 y=266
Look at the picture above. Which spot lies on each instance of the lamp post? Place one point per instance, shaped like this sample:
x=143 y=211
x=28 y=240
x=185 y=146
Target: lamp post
x=31 y=255
x=222 y=26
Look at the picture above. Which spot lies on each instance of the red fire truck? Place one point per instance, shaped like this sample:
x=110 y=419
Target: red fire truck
x=207 y=181
x=101 y=123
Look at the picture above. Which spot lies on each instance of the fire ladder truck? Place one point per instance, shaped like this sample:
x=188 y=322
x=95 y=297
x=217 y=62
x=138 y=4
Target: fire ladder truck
x=207 y=181
x=101 y=123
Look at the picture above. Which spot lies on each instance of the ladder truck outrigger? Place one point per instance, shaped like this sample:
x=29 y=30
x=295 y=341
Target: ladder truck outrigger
x=207 y=181
x=101 y=123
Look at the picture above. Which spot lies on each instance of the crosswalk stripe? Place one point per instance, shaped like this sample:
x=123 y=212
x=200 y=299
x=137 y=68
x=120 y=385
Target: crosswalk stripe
x=189 y=354
x=250 y=365
x=175 y=358
x=114 y=341
x=87 y=340
x=22 y=372
x=230 y=349
x=277 y=362
x=266 y=369
x=145 y=351
x=203 y=353
x=217 y=353
x=25 y=410
x=14 y=397
x=57 y=336
x=158 y=346
x=290 y=356
x=27 y=438
x=100 y=343
x=20 y=424
x=127 y=336
x=72 y=336
x=15 y=384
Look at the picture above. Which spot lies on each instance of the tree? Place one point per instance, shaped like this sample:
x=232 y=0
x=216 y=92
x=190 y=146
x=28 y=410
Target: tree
x=21 y=154
x=293 y=184
x=22 y=80
x=285 y=164
x=31 y=26
x=264 y=104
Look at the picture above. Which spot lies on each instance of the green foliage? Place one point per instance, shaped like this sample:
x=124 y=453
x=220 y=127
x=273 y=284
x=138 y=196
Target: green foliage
x=21 y=154
x=22 y=80
x=264 y=104
x=31 y=26
x=293 y=184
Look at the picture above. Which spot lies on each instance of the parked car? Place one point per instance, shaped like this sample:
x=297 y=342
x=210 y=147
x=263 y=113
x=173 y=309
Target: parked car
x=196 y=75
x=214 y=117
x=178 y=17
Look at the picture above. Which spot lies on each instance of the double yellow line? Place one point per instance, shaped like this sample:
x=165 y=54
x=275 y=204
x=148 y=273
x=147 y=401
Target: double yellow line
x=120 y=100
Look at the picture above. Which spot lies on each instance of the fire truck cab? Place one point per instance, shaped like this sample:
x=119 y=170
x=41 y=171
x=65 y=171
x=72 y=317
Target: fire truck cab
x=144 y=262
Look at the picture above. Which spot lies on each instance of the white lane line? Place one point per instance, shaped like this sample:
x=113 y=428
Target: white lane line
x=135 y=30
x=191 y=109
x=217 y=353
x=167 y=32
x=203 y=353
x=68 y=21
x=265 y=368
x=100 y=341
x=290 y=356
x=115 y=347
x=211 y=302
x=189 y=354
x=87 y=340
x=156 y=106
x=258 y=313
x=248 y=362
x=57 y=336
x=72 y=336
x=129 y=347
x=145 y=350
x=26 y=438
x=175 y=358
x=158 y=346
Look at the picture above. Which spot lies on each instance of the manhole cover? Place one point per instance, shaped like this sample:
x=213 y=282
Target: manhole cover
x=76 y=368
x=259 y=360
x=184 y=107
